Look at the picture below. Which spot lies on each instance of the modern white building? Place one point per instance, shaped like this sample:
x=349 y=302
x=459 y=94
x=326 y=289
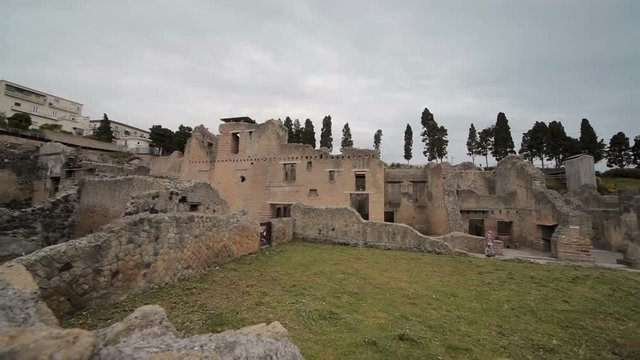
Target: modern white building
x=44 y=108
x=130 y=138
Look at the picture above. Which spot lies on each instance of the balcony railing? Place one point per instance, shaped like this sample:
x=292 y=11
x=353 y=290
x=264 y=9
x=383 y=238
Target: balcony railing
x=35 y=99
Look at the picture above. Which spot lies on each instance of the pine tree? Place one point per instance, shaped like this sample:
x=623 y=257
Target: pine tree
x=502 y=140
x=347 y=141
x=181 y=137
x=162 y=138
x=534 y=142
x=309 y=134
x=472 y=143
x=326 y=139
x=485 y=143
x=288 y=124
x=408 y=143
x=556 y=143
x=526 y=150
x=635 y=152
x=377 y=139
x=589 y=142
x=104 y=132
x=619 y=152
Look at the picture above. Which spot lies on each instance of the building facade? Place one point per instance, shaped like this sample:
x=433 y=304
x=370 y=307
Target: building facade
x=43 y=108
x=130 y=138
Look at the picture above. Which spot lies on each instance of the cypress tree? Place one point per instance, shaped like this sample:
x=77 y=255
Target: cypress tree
x=472 y=143
x=377 y=139
x=589 y=142
x=408 y=143
x=104 y=132
x=288 y=124
x=326 y=139
x=297 y=132
x=347 y=141
x=309 y=134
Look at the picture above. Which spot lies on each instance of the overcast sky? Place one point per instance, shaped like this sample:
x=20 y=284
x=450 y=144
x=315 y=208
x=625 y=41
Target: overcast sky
x=374 y=64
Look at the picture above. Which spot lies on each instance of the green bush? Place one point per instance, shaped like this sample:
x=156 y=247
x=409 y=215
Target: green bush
x=633 y=173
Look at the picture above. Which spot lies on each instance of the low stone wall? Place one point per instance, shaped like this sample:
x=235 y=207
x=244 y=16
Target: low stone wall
x=342 y=225
x=134 y=253
x=24 y=231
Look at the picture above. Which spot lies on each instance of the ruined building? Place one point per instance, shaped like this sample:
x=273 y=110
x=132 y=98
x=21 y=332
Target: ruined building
x=256 y=170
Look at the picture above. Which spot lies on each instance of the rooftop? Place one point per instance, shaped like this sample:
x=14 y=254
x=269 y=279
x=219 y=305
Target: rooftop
x=244 y=119
x=38 y=91
x=123 y=124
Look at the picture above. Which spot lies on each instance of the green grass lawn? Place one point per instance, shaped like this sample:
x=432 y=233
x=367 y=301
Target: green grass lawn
x=342 y=302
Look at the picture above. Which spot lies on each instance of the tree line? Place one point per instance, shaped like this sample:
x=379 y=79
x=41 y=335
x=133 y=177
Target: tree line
x=550 y=142
x=298 y=134
x=163 y=139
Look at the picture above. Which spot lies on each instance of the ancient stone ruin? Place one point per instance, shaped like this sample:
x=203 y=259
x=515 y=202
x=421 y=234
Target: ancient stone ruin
x=81 y=227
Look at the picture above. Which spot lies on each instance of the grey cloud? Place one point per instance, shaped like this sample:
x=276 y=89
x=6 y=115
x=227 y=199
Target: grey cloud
x=374 y=64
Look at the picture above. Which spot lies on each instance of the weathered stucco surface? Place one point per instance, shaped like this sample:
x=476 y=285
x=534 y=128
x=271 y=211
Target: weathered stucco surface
x=134 y=253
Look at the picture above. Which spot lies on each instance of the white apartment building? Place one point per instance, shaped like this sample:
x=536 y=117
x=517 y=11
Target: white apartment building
x=130 y=138
x=43 y=108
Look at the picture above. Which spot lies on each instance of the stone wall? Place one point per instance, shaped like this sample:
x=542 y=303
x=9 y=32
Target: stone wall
x=282 y=230
x=134 y=253
x=342 y=225
x=103 y=200
x=17 y=173
x=26 y=230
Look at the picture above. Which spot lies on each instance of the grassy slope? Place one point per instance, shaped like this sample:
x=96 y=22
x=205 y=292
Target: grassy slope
x=341 y=302
x=613 y=184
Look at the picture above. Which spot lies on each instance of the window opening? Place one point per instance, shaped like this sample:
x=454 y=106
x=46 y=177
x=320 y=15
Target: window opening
x=289 y=172
x=235 y=143
x=361 y=182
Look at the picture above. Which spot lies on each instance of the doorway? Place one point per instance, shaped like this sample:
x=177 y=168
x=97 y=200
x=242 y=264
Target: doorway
x=476 y=227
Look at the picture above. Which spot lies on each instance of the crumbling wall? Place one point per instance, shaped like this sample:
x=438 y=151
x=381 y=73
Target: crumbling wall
x=24 y=231
x=522 y=186
x=18 y=170
x=104 y=199
x=630 y=224
x=29 y=330
x=342 y=225
x=167 y=166
x=134 y=253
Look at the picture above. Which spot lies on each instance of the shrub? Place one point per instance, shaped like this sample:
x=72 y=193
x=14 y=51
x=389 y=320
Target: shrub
x=624 y=173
